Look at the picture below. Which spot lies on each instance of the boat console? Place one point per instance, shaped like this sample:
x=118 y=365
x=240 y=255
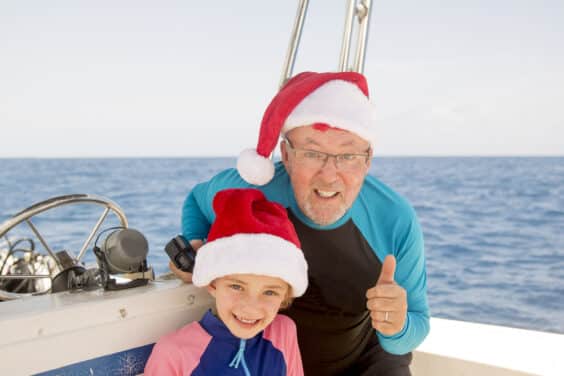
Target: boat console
x=120 y=252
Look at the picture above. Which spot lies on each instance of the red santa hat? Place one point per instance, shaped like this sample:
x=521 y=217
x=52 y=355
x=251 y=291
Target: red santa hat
x=251 y=235
x=336 y=99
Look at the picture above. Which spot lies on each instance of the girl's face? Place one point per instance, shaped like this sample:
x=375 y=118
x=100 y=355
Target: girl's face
x=247 y=303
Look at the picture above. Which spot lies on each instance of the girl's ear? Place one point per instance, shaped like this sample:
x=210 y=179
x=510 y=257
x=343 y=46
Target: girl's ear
x=287 y=302
x=211 y=288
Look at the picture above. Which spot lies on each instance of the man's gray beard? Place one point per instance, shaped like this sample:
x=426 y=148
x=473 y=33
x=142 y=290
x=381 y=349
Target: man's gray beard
x=323 y=221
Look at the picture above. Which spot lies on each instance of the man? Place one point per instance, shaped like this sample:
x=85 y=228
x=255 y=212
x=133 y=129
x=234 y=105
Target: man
x=365 y=308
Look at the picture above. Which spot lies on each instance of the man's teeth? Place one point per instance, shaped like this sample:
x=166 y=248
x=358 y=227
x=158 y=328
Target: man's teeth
x=326 y=194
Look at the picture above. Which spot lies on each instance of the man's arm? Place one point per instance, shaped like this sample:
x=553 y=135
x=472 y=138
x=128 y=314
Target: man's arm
x=197 y=211
x=410 y=274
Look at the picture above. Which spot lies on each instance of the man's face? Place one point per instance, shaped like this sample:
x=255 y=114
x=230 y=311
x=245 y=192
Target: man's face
x=324 y=193
x=247 y=303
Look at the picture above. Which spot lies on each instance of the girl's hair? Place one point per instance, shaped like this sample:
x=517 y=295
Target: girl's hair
x=287 y=302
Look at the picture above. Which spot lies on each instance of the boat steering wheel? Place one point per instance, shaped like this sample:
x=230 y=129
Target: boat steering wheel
x=28 y=213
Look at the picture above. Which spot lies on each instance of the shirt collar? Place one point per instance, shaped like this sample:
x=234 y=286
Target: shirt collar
x=217 y=329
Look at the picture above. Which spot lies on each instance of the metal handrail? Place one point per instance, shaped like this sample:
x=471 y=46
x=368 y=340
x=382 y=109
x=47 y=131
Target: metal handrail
x=356 y=9
x=29 y=212
x=58 y=201
x=25 y=276
x=362 y=13
x=294 y=42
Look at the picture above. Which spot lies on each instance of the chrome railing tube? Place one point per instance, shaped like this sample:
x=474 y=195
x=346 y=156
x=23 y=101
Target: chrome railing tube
x=347 y=34
x=363 y=14
x=294 y=42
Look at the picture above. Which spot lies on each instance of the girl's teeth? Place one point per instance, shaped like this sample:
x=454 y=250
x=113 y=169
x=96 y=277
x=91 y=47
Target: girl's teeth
x=246 y=321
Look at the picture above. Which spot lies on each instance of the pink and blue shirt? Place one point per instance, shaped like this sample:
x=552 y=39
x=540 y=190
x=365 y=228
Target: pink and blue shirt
x=208 y=348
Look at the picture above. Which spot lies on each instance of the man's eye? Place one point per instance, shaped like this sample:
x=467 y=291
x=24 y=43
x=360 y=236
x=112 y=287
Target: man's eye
x=347 y=157
x=310 y=154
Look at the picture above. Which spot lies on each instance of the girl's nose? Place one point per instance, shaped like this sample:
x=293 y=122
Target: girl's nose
x=250 y=303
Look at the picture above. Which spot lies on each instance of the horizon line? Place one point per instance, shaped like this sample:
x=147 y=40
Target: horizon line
x=277 y=157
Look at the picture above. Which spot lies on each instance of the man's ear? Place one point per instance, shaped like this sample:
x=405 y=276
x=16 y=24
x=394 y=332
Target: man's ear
x=284 y=153
x=371 y=155
x=211 y=288
x=283 y=150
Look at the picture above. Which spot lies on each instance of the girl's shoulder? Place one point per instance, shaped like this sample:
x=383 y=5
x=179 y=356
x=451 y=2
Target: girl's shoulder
x=283 y=320
x=280 y=329
x=178 y=352
x=188 y=336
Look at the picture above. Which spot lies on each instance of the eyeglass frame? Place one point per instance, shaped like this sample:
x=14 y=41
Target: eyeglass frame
x=366 y=155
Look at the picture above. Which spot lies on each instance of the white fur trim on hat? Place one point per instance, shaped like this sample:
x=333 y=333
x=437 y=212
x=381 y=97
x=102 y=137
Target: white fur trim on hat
x=255 y=168
x=338 y=103
x=261 y=254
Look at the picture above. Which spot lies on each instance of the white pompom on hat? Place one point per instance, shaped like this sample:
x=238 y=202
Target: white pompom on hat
x=338 y=99
x=251 y=235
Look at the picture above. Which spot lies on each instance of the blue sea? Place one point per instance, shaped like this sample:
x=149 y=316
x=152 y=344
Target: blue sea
x=493 y=227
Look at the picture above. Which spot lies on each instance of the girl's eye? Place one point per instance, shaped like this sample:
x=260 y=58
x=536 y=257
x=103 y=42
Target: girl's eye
x=270 y=293
x=236 y=287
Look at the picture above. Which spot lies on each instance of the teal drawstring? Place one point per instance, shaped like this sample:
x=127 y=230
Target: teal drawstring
x=240 y=358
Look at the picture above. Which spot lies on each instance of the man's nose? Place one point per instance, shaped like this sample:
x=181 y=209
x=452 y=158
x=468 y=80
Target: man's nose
x=329 y=167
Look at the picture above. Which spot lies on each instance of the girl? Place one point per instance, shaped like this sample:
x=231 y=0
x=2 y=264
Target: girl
x=253 y=265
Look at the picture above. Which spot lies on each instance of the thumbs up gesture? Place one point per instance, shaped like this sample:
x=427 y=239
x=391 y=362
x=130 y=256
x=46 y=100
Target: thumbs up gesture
x=387 y=301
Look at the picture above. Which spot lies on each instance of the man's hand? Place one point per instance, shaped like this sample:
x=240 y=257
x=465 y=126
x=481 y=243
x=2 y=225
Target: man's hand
x=387 y=301
x=185 y=276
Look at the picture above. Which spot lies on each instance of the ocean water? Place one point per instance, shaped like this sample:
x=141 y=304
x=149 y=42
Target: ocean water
x=493 y=227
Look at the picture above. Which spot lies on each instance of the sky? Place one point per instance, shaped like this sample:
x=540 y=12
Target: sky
x=193 y=78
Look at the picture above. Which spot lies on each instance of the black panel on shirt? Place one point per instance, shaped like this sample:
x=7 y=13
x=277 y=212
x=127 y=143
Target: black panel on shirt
x=333 y=322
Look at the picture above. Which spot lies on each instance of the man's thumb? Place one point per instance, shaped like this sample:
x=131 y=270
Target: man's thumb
x=388 y=270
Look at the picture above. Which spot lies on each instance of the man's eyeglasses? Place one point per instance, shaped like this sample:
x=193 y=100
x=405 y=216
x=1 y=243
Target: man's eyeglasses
x=317 y=159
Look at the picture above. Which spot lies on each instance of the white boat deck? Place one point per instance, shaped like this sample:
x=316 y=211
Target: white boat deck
x=67 y=328
x=458 y=348
x=101 y=332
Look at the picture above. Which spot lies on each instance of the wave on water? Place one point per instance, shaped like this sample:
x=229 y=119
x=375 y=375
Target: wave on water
x=493 y=227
